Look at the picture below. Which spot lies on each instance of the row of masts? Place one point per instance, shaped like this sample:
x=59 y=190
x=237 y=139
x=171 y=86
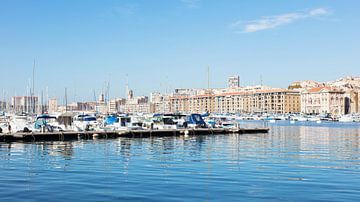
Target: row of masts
x=31 y=102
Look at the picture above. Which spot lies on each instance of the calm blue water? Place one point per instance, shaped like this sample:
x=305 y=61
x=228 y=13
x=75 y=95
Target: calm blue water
x=302 y=162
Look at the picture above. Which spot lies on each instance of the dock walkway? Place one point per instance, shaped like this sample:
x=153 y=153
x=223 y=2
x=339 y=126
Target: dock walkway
x=72 y=135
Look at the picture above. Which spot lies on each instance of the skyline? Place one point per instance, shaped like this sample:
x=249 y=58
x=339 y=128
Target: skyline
x=169 y=44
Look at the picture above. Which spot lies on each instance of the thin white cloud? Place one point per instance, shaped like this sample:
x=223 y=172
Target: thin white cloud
x=191 y=3
x=318 y=11
x=270 y=22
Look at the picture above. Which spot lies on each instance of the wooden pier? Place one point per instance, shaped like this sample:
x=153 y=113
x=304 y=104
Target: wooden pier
x=72 y=135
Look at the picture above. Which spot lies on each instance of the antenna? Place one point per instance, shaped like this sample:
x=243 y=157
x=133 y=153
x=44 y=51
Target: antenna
x=33 y=88
x=107 y=91
x=47 y=97
x=42 y=102
x=3 y=105
x=94 y=95
x=261 y=80
x=65 y=99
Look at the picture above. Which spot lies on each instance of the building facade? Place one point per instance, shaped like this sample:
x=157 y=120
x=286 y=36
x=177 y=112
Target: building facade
x=138 y=104
x=159 y=103
x=53 y=105
x=29 y=104
x=117 y=105
x=270 y=101
x=234 y=81
x=3 y=106
x=323 y=100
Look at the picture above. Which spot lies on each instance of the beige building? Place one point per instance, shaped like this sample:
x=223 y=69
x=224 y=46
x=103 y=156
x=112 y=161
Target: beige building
x=159 y=103
x=234 y=82
x=53 y=105
x=28 y=104
x=117 y=105
x=275 y=101
x=3 y=106
x=265 y=101
x=321 y=100
x=137 y=108
x=192 y=104
x=138 y=104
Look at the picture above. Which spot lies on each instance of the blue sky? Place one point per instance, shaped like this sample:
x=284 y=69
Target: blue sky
x=82 y=44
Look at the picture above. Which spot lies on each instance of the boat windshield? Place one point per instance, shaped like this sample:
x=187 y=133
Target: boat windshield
x=89 y=119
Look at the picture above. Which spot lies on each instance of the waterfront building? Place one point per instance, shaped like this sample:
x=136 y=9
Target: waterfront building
x=234 y=81
x=265 y=101
x=322 y=100
x=78 y=106
x=180 y=103
x=101 y=107
x=117 y=105
x=159 y=103
x=192 y=103
x=185 y=91
x=27 y=104
x=72 y=106
x=86 y=106
x=352 y=102
x=101 y=98
x=358 y=102
x=139 y=104
x=53 y=105
x=202 y=103
x=233 y=102
x=3 y=106
x=275 y=101
x=130 y=94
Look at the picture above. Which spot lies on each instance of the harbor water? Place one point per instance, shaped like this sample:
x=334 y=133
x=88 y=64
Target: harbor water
x=293 y=162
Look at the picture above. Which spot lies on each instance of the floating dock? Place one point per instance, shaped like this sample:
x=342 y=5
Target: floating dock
x=72 y=135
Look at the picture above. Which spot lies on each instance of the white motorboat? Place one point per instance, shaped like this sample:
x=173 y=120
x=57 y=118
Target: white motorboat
x=85 y=122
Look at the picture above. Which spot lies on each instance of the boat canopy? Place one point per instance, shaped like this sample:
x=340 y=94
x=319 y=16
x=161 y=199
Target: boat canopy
x=111 y=120
x=45 y=116
x=195 y=119
x=89 y=118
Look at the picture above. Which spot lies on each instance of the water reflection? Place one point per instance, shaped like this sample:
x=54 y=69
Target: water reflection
x=296 y=158
x=283 y=141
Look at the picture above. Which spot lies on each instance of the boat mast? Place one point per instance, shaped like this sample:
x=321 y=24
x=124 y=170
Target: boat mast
x=42 y=102
x=33 y=89
x=3 y=105
x=65 y=99
x=127 y=86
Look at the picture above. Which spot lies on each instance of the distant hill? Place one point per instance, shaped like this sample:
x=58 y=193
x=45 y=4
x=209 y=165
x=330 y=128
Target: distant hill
x=346 y=83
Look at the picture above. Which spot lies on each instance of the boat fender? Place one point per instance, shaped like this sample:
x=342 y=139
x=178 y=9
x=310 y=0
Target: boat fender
x=95 y=135
x=186 y=132
x=26 y=130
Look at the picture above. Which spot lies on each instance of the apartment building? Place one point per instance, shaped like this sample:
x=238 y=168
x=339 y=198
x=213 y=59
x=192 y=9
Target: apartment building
x=25 y=104
x=321 y=100
x=265 y=101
